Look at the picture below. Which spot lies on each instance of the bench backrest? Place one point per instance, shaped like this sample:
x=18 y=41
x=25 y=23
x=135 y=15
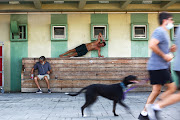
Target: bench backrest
x=90 y=68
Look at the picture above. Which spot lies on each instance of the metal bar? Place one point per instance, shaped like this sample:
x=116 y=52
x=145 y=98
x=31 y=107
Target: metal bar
x=82 y=3
x=22 y=32
x=165 y=5
x=125 y=4
x=37 y=4
x=77 y=0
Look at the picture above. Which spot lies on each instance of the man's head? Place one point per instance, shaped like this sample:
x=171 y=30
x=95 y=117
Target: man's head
x=102 y=44
x=42 y=59
x=166 y=19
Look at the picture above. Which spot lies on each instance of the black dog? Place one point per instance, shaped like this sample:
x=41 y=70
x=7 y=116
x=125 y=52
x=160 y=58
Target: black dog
x=113 y=92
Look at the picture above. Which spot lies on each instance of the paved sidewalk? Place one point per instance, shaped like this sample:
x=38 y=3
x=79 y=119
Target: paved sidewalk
x=58 y=106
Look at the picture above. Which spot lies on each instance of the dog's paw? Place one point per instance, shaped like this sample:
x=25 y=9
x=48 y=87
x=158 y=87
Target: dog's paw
x=116 y=114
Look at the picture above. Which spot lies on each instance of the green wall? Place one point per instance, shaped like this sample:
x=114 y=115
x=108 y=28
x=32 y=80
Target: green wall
x=100 y=19
x=176 y=18
x=139 y=48
x=58 y=47
x=18 y=51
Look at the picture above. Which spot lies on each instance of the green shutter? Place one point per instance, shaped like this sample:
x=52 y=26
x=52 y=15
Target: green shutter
x=14 y=27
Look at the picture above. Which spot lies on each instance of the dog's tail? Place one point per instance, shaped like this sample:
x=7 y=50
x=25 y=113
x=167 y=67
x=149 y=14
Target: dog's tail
x=75 y=94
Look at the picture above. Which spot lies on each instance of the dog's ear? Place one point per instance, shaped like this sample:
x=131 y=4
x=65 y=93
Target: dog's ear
x=127 y=79
x=132 y=77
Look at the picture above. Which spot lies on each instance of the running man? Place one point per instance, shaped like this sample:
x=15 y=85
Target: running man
x=84 y=48
x=158 y=64
x=174 y=98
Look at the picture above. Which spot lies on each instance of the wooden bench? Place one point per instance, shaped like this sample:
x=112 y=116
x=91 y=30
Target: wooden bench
x=71 y=74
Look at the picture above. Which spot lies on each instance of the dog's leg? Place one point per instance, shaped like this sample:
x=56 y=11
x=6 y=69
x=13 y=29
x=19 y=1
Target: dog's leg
x=86 y=105
x=114 y=108
x=125 y=106
x=83 y=107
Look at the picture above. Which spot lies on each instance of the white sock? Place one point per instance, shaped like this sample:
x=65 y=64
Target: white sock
x=147 y=105
x=156 y=107
x=144 y=113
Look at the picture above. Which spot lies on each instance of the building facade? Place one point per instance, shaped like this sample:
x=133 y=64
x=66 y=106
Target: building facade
x=28 y=32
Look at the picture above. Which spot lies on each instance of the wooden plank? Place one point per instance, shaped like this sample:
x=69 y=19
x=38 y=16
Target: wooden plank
x=88 y=73
x=62 y=65
x=120 y=77
x=91 y=61
x=68 y=83
x=90 y=69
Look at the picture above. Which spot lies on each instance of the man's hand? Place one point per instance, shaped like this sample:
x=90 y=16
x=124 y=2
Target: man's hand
x=173 y=48
x=48 y=72
x=100 y=34
x=101 y=56
x=167 y=57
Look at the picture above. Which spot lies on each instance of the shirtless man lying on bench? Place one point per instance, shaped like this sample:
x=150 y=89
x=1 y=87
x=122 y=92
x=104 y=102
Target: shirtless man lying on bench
x=84 y=48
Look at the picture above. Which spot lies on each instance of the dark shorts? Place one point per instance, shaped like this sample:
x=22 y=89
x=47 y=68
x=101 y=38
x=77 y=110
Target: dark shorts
x=81 y=50
x=160 y=77
x=178 y=74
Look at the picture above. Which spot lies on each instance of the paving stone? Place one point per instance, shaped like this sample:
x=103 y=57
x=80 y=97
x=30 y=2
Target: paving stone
x=57 y=106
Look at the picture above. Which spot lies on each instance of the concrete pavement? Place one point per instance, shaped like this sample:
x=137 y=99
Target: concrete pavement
x=58 y=106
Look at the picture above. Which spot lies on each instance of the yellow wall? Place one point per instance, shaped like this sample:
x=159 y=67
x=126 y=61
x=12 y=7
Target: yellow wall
x=39 y=42
x=78 y=30
x=4 y=33
x=119 y=35
x=153 y=24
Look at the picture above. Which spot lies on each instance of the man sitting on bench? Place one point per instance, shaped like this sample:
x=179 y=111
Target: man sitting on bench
x=44 y=69
x=84 y=48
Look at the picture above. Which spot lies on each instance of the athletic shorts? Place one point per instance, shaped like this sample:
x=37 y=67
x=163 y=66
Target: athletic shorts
x=81 y=50
x=178 y=74
x=42 y=76
x=160 y=77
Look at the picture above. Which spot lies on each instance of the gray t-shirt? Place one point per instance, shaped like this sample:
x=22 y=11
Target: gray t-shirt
x=176 y=61
x=156 y=62
x=42 y=69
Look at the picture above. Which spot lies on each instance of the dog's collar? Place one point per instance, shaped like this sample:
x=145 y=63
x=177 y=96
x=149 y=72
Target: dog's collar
x=123 y=86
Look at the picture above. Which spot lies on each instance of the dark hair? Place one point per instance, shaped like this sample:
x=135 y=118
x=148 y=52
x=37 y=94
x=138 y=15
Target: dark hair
x=42 y=58
x=162 y=16
x=104 y=43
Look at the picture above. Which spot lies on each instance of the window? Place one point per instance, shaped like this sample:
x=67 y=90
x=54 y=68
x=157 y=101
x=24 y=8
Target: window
x=99 y=29
x=20 y=34
x=173 y=31
x=139 y=31
x=58 y=32
x=96 y=29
